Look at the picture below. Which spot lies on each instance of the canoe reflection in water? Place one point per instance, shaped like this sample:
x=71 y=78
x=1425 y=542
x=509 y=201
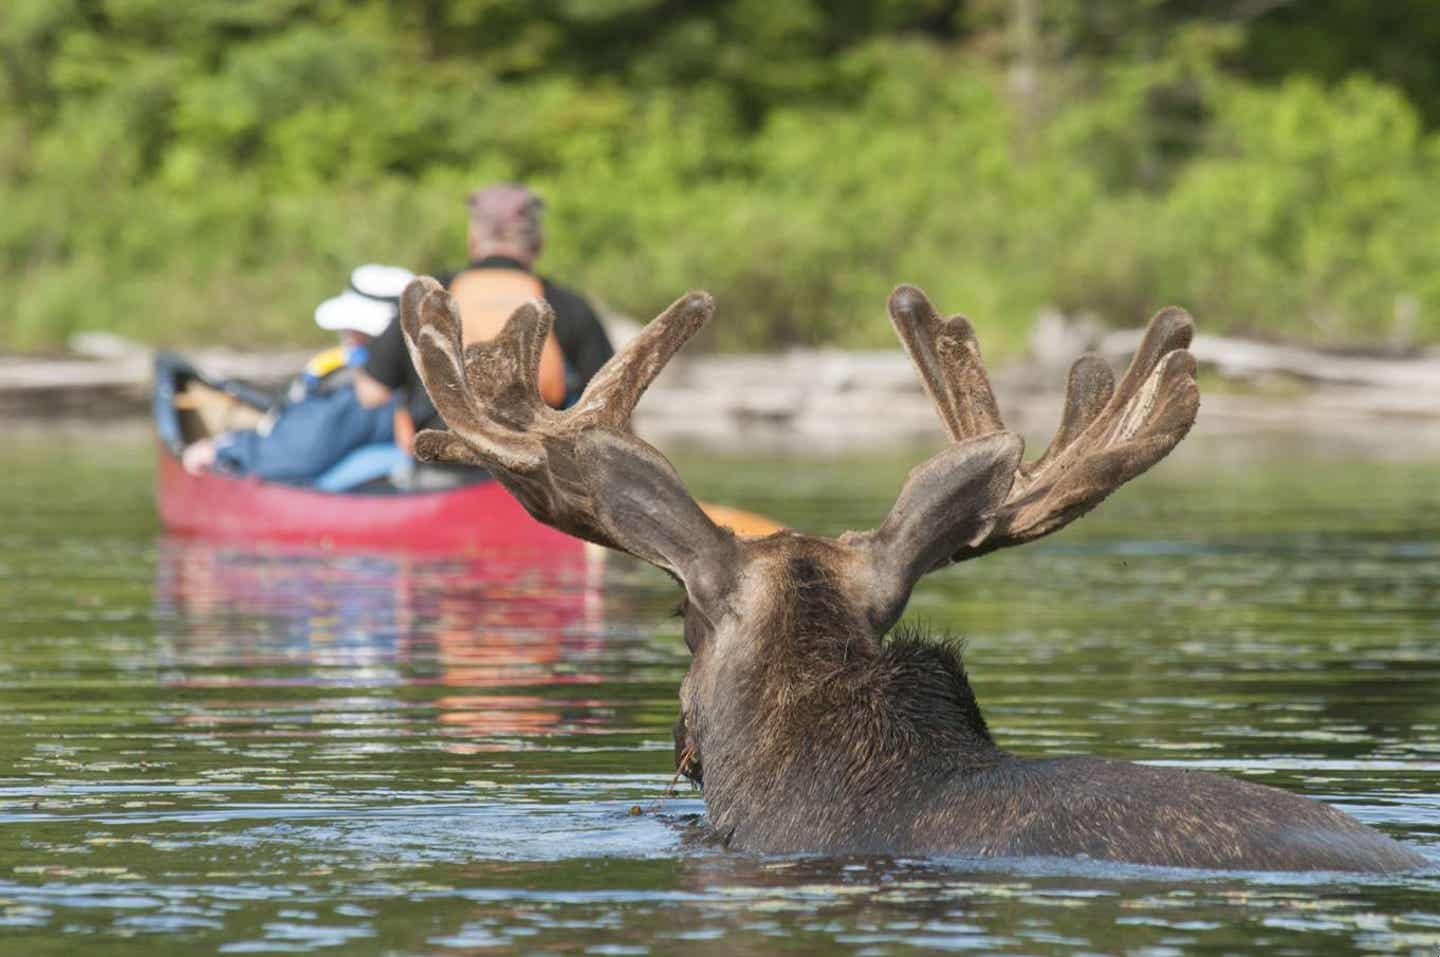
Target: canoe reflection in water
x=484 y=634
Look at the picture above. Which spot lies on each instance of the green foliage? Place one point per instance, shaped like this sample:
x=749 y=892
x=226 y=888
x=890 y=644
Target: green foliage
x=1308 y=214
x=207 y=171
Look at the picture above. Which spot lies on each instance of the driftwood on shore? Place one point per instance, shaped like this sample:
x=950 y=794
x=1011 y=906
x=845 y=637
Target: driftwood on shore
x=840 y=399
x=1247 y=360
x=826 y=397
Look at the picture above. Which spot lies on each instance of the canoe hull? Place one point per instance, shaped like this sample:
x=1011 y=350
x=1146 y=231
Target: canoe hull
x=469 y=519
x=241 y=510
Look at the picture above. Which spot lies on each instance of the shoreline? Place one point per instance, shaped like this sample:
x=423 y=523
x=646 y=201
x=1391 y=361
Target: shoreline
x=832 y=399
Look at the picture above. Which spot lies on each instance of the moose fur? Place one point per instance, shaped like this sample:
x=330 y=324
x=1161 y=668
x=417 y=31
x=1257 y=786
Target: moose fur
x=821 y=737
x=811 y=726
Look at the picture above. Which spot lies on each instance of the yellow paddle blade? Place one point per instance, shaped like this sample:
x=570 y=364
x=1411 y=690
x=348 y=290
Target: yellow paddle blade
x=742 y=523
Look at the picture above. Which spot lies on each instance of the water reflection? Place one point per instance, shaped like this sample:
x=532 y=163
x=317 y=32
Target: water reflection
x=488 y=633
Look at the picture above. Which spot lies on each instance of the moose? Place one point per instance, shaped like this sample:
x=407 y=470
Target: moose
x=810 y=726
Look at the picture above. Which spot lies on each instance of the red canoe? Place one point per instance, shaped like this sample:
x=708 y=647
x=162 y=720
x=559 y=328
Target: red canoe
x=467 y=519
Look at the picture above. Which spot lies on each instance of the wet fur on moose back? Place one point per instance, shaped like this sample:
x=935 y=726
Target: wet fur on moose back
x=812 y=727
x=834 y=728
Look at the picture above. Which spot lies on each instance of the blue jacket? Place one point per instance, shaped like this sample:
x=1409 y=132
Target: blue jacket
x=320 y=422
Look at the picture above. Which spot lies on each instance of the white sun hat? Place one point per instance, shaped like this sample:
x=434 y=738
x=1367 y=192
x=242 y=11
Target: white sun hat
x=370 y=303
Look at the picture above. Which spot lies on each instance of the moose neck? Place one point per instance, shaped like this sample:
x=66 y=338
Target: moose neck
x=827 y=727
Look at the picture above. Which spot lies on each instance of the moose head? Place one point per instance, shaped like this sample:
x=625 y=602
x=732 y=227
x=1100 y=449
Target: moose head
x=814 y=727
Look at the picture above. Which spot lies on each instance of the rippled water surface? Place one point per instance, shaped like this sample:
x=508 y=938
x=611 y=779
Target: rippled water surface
x=213 y=749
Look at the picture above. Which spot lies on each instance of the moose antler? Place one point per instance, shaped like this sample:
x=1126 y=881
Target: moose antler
x=1108 y=434
x=585 y=472
x=977 y=496
x=580 y=470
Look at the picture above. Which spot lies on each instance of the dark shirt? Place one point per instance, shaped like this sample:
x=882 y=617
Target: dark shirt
x=582 y=341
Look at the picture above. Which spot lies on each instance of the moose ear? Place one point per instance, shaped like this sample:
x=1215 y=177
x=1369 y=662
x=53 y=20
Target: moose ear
x=947 y=503
x=642 y=502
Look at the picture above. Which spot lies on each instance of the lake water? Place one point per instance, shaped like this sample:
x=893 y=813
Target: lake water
x=246 y=751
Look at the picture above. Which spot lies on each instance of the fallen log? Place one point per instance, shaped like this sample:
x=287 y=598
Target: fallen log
x=1245 y=359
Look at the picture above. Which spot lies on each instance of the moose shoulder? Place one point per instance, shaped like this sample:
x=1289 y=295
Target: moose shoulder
x=811 y=726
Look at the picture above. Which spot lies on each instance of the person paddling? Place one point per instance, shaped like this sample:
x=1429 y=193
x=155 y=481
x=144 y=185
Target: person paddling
x=505 y=237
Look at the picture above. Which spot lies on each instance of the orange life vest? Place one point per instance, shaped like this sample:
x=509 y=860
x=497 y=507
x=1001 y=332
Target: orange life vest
x=486 y=298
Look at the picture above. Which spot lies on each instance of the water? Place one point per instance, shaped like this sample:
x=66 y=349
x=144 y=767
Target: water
x=248 y=751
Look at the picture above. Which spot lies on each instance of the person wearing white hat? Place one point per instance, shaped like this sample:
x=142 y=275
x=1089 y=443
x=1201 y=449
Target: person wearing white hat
x=368 y=303
x=319 y=421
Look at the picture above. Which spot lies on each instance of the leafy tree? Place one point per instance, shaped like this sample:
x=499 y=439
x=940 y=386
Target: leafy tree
x=208 y=170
